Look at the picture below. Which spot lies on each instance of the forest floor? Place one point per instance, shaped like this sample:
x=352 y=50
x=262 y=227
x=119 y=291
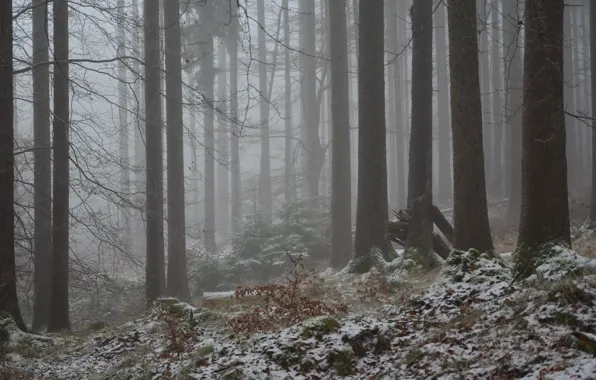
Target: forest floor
x=470 y=320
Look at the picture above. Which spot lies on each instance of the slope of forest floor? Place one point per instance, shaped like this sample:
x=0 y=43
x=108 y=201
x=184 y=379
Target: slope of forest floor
x=471 y=320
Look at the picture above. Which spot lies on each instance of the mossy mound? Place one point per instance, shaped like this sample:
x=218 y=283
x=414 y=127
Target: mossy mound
x=185 y=311
x=474 y=267
x=551 y=261
x=319 y=327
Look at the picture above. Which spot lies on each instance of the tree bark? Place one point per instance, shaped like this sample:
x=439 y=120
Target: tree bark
x=593 y=86
x=470 y=215
x=8 y=289
x=154 y=264
x=545 y=207
x=59 y=318
x=484 y=56
x=42 y=164
x=177 y=285
x=372 y=213
x=341 y=197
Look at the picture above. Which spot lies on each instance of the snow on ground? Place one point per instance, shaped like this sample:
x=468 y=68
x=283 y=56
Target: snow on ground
x=473 y=322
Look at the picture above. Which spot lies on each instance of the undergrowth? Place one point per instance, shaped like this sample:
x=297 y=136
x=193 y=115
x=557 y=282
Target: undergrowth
x=283 y=304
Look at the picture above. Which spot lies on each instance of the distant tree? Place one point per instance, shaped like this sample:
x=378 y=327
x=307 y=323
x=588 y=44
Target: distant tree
x=545 y=206
x=512 y=72
x=288 y=131
x=223 y=169
x=265 y=197
x=59 y=318
x=372 y=213
x=569 y=100
x=445 y=191
x=154 y=281
x=470 y=215
x=496 y=179
x=42 y=168
x=177 y=278
x=341 y=197
x=235 y=138
x=8 y=291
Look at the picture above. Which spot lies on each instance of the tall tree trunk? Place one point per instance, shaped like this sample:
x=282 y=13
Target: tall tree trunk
x=194 y=169
x=42 y=163
x=569 y=99
x=544 y=167
x=512 y=56
x=341 y=197
x=177 y=274
x=288 y=157
x=593 y=87
x=154 y=263
x=403 y=16
x=395 y=46
x=421 y=135
x=8 y=291
x=235 y=143
x=223 y=194
x=372 y=213
x=265 y=197
x=487 y=143
x=354 y=113
x=124 y=221
x=207 y=79
x=470 y=215
x=139 y=138
x=579 y=100
x=445 y=190
x=315 y=154
x=59 y=319
x=496 y=174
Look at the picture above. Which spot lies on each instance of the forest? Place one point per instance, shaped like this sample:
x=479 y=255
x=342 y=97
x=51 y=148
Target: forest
x=297 y=189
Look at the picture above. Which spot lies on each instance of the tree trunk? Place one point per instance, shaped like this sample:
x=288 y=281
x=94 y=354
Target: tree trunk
x=341 y=197
x=195 y=199
x=354 y=113
x=496 y=174
x=8 y=290
x=223 y=193
x=207 y=79
x=315 y=153
x=513 y=101
x=42 y=163
x=445 y=190
x=139 y=140
x=569 y=99
x=124 y=220
x=395 y=47
x=288 y=157
x=372 y=213
x=154 y=265
x=421 y=135
x=470 y=214
x=265 y=197
x=482 y=12
x=59 y=319
x=177 y=274
x=593 y=86
x=235 y=138
x=545 y=205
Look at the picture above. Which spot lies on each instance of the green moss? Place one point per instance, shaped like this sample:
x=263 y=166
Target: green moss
x=289 y=356
x=96 y=326
x=342 y=362
x=413 y=356
x=567 y=293
x=319 y=327
x=205 y=350
x=562 y=318
x=528 y=257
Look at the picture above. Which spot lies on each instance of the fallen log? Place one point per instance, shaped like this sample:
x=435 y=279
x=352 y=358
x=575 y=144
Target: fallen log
x=398 y=230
